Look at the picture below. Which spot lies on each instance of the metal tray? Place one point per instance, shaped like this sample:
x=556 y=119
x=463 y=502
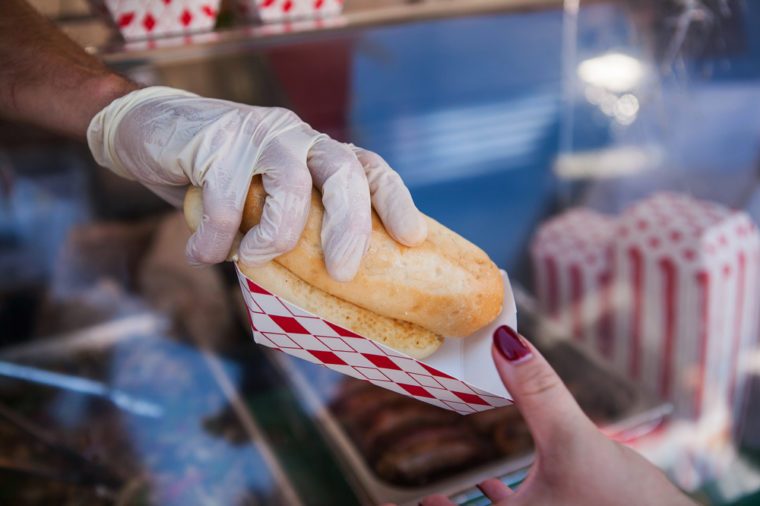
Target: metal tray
x=642 y=415
x=54 y=363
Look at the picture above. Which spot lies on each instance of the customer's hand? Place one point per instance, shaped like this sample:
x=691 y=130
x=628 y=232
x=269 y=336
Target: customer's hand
x=168 y=139
x=575 y=463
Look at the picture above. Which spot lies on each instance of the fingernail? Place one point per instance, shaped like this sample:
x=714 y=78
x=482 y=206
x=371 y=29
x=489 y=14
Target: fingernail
x=511 y=346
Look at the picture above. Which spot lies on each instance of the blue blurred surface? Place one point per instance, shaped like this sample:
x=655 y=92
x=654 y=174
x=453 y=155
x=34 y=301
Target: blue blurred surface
x=466 y=110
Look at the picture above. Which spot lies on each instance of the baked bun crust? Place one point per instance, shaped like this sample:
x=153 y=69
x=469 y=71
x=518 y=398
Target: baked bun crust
x=446 y=285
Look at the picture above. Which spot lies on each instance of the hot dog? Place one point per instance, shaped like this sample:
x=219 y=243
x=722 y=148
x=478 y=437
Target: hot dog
x=407 y=298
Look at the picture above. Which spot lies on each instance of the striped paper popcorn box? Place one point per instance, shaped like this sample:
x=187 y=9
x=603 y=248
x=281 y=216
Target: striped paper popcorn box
x=142 y=19
x=270 y=11
x=572 y=265
x=686 y=281
x=460 y=376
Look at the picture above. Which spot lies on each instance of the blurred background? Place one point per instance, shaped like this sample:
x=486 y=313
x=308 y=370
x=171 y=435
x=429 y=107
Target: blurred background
x=604 y=153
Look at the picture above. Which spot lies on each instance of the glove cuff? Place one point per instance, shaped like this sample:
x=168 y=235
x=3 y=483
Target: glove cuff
x=104 y=125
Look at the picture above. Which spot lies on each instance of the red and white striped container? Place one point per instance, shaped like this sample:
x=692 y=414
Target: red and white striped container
x=273 y=11
x=686 y=282
x=572 y=260
x=143 y=19
x=460 y=376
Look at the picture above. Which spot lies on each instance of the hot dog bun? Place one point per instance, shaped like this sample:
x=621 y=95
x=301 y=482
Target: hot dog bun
x=447 y=285
x=402 y=336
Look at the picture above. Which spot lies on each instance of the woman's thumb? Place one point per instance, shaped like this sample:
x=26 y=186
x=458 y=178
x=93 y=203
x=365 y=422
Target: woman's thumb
x=543 y=400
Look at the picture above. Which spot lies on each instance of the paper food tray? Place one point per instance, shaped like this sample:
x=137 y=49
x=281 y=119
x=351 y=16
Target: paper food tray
x=460 y=376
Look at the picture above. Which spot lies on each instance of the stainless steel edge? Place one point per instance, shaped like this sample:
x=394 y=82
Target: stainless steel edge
x=247 y=37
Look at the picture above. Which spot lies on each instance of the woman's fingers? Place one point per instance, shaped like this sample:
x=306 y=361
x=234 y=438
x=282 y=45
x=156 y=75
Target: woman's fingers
x=392 y=200
x=550 y=411
x=495 y=489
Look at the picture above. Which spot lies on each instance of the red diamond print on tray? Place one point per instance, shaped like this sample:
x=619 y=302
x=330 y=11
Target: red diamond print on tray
x=208 y=11
x=318 y=4
x=287 y=6
x=471 y=398
x=381 y=361
x=315 y=326
x=149 y=22
x=289 y=324
x=125 y=19
x=327 y=357
x=415 y=390
x=435 y=372
x=341 y=331
x=167 y=2
x=267 y=3
x=186 y=18
x=255 y=288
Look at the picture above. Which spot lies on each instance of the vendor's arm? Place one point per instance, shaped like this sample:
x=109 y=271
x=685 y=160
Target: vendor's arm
x=48 y=80
x=169 y=139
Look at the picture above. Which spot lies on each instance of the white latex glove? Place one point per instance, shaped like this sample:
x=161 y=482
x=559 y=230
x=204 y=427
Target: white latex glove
x=168 y=139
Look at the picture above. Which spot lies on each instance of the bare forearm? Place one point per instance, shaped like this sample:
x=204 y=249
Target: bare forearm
x=48 y=80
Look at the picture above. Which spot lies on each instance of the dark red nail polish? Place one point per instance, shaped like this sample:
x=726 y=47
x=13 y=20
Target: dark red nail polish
x=510 y=344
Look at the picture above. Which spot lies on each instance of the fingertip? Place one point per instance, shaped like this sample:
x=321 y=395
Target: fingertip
x=548 y=407
x=343 y=260
x=345 y=239
x=282 y=222
x=198 y=252
x=411 y=232
x=256 y=248
x=511 y=346
x=341 y=275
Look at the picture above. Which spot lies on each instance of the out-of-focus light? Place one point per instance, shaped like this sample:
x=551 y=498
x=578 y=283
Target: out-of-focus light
x=608 y=162
x=607 y=104
x=626 y=108
x=595 y=95
x=615 y=72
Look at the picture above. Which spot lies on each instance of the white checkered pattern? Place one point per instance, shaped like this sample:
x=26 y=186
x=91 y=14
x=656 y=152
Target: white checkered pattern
x=668 y=293
x=271 y=11
x=686 y=277
x=139 y=19
x=280 y=325
x=572 y=261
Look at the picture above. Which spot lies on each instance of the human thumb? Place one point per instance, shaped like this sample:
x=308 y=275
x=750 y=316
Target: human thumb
x=548 y=407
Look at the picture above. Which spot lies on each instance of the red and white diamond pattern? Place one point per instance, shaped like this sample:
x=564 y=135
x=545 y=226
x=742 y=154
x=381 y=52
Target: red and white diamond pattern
x=137 y=19
x=280 y=325
x=281 y=10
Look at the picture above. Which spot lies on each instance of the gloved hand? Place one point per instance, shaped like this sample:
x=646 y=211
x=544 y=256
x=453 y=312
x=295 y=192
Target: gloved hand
x=168 y=139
